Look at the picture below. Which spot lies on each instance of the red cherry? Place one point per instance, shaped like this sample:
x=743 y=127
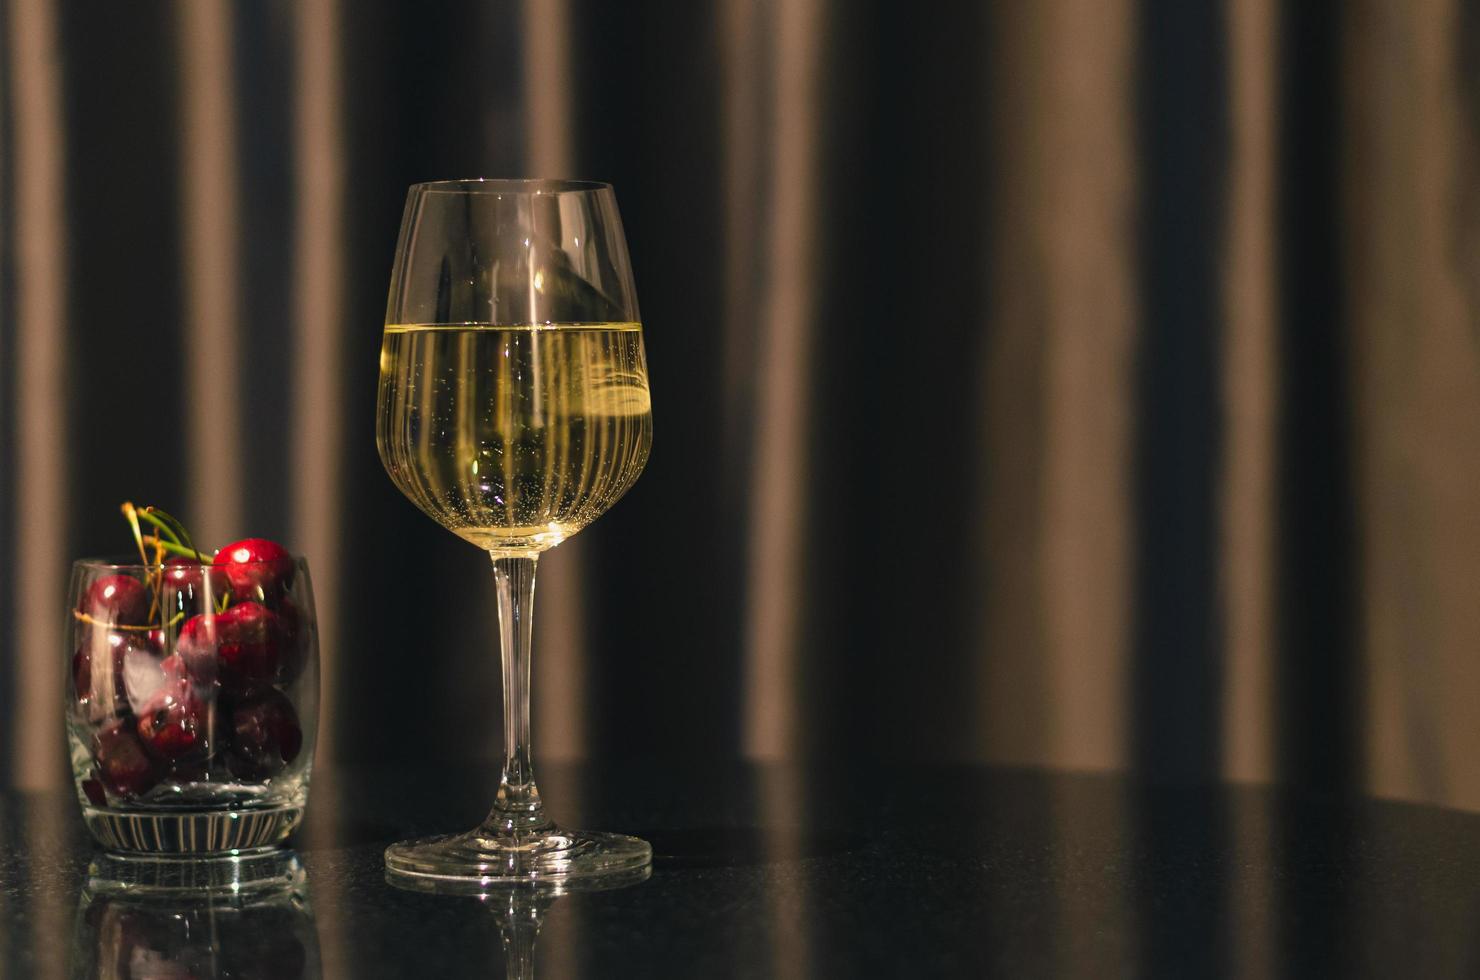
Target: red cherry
x=175 y=725
x=263 y=736
x=117 y=600
x=93 y=789
x=123 y=765
x=189 y=584
x=256 y=568
x=196 y=648
x=244 y=645
x=249 y=647
x=100 y=671
x=81 y=675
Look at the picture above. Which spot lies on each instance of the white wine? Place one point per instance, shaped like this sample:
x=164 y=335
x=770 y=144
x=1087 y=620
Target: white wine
x=514 y=438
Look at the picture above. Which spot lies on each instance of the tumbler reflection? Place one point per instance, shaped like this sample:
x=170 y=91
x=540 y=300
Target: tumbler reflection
x=151 y=919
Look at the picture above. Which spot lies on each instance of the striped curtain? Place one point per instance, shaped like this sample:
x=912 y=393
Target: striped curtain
x=1089 y=383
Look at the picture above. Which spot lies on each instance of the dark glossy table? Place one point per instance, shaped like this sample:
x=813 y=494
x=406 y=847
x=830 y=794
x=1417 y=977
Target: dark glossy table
x=892 y=871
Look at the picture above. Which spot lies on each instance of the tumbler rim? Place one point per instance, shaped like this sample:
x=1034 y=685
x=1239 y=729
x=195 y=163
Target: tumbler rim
x=120 y=563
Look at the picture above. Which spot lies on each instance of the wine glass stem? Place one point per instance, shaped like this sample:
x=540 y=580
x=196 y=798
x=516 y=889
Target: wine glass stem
x=517 y=809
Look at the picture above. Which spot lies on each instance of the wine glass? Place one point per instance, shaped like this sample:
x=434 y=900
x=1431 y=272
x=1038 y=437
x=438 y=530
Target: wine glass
x=513 y=410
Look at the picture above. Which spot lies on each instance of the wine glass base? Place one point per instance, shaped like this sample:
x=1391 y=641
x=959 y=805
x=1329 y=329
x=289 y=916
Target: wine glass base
x=472 y=861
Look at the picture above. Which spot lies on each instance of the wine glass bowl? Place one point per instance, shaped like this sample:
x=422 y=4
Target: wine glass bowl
x=525 y=436
x=513 y=409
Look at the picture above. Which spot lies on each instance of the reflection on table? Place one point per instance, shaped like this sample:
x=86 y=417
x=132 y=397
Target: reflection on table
x=171 y=919
x=790 y=873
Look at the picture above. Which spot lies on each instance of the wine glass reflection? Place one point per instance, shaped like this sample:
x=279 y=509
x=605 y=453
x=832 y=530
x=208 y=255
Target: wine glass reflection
x=519 y=908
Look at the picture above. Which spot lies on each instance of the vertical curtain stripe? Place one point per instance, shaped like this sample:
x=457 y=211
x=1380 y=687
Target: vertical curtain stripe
x=8 y=379
x=318 y=364
x=739 y=46
x=777 y=518
x=210 y=210
x=41 y=412
x=1415 y=357
x=559 y=662
x=1448 y=374
x=560 y=650
x=319 y=356
x=1316 y=575
x=1090 y=313
x=1247 y=485
x=1010 y=673
x=1249 y=415
x=547 y=88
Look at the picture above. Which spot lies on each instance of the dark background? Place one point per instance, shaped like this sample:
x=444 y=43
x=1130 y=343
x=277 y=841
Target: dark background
x=1086 y=384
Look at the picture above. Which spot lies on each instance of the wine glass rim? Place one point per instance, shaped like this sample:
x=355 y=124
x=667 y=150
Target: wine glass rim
x=511 y=185
x=122 y=563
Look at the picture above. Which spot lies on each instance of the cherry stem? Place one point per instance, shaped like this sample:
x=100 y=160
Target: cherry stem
x=174 y=548
x=168 y=531
x=179 y=535
x=131 y=514
x=156 y=580
x=83 y=617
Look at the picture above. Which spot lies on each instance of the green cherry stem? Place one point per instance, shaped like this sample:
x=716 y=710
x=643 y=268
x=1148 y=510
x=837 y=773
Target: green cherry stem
x=181 y=535
x=174 y=548
x=131 y=514
x=169 y=532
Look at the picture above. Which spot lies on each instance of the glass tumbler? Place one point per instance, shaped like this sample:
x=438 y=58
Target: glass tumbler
x=191 y=702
